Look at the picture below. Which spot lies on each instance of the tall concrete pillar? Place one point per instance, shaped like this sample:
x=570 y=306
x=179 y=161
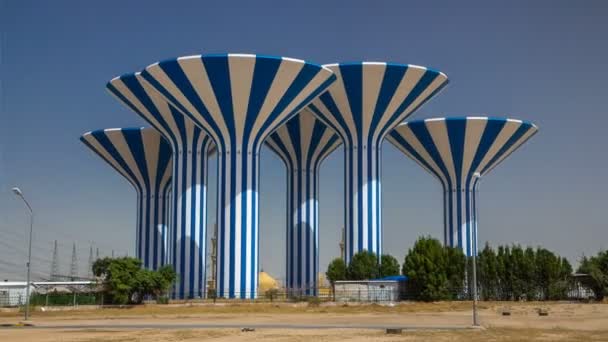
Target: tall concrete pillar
x=303 y=143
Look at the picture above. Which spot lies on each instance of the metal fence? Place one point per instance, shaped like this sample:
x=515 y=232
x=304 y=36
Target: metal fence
x=363 y=294
x=51 y=299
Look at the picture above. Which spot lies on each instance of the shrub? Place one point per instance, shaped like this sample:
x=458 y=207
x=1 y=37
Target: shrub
x=389 y=266
x=363 y=266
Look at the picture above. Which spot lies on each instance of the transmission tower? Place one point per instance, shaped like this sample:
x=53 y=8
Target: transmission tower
x=74 y=265
x=90 y=268
x=55 y=264
x=97 y=254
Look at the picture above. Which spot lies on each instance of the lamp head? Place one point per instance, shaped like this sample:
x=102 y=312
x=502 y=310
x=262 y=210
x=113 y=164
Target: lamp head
x=477 y=175
x=17 y=191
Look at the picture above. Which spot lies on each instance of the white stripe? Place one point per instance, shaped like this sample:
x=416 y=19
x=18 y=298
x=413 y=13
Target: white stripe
x=412 y=76
x=472 y=138
x=372 y=77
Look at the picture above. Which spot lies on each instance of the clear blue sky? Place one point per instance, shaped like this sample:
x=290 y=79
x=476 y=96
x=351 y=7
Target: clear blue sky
x=544 y=61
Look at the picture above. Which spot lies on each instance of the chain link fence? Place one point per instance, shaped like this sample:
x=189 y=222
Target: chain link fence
x=341 y=292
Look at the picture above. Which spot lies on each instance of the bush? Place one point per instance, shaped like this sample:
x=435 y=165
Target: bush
x=363 y=266
x=314 y=301
x=124 y=281
x=389 y=266
x=162 y=300
x=272 y=294
x=211 y=293
x=336 y=270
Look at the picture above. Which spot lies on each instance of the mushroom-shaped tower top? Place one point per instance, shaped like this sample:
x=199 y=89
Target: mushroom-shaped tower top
x=190 y=147
x=239 y=100
x=362 y=106
x=457 y=151
x=143 y=157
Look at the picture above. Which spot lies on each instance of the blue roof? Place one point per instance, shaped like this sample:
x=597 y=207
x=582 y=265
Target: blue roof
x=395 y=277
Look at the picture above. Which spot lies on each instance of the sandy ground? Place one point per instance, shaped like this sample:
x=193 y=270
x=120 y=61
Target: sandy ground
x=565 y=322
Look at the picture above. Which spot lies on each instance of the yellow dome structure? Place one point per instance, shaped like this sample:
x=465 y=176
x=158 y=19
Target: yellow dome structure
x=266 y=282
x=324 y=288
x=322 y=281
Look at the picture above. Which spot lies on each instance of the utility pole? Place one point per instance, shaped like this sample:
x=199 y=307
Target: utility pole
x=476 y=194
x=342 y=242
x=55 y=264
x=90 y=268
x=74 y=265
x=19 y=193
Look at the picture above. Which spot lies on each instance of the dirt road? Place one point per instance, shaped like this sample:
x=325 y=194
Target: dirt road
x=287 y=322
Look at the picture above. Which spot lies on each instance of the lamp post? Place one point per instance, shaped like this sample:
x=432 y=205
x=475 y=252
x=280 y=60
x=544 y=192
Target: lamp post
x=18 y=192
x=477 y=177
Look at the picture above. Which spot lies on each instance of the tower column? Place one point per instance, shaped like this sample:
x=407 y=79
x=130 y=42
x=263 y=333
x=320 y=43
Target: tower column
x=363 y=207
x=150 y=228
x=303 y=143
x=460 y=224
x=238 y=223
x=302 y=232
x=189 y=203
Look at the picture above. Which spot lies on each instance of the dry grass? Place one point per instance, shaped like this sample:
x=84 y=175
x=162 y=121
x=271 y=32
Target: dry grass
x=566 y=322
x=186 y=310
x=497 y=335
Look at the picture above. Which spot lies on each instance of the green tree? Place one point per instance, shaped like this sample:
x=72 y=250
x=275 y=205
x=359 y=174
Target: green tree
x=363 y=266
x=488 y=273
x=455 y=267
x=389 y=266
x=336 y=270
x=521 y=273
x=528 y=272
x=124 y=281
x=552 y=274
x=425 y=265
x=505 y=278
x=155 y=283
x=596 y=269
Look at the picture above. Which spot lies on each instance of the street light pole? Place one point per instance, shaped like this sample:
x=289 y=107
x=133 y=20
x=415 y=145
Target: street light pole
x=18 y=192
x=476 y=175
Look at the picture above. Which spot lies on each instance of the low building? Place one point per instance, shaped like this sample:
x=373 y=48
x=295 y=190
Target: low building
x=12 y=293
x=389 y=289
